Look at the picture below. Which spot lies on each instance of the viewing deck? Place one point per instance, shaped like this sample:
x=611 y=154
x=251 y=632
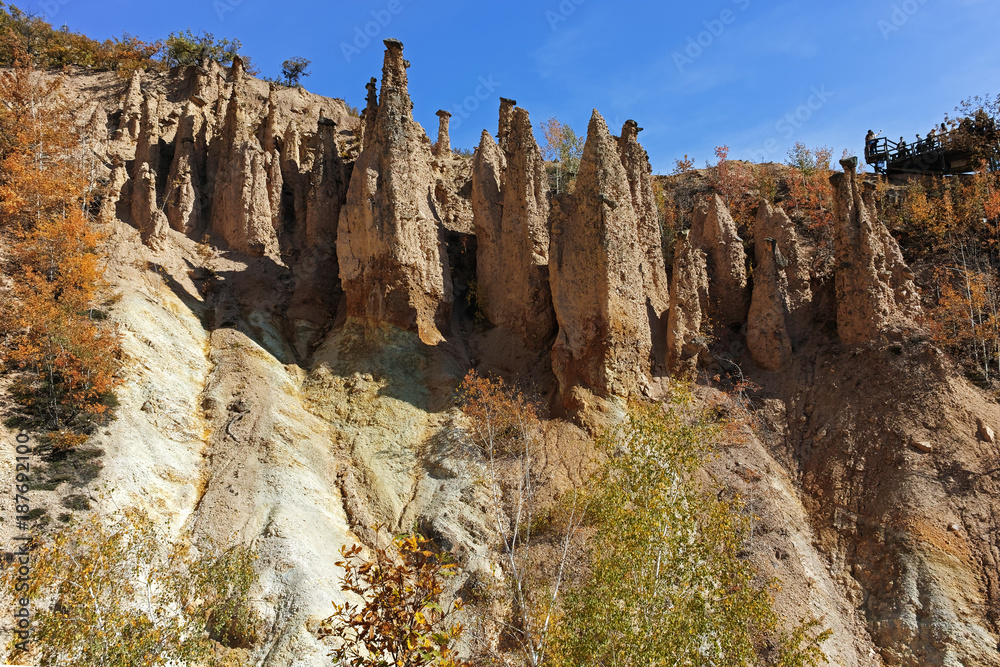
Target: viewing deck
x=956 y=152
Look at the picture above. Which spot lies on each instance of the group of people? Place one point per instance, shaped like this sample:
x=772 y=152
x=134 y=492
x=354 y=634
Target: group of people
x=935 y=138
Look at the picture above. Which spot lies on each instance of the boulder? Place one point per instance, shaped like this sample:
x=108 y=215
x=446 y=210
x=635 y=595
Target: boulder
x=393 y=266
x=984 y=432
x=603 y=342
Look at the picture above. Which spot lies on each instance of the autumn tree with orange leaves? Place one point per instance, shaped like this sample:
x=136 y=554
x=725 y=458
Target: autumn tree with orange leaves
x=63 y=354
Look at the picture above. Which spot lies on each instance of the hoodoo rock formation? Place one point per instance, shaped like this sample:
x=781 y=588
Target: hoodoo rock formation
x=241 y=203
x=252 y=227
x=488 y=167
x=511 y=212
x=688 y=300
x=131 y=108
x=443 y=145
x=146 y=213
x=713 y=230
x=604 y=342
x=782 y=292
x=392 y=264
x=183 y=202
x=506 y=121
x=767 y=329
x=875 y=288
x=654 y=275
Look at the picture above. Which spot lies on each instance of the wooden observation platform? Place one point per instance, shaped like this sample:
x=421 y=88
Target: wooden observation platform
x=958 y=151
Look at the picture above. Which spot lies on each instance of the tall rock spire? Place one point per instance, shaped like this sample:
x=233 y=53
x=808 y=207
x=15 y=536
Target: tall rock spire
x=510 y=212
x=241 y=205
x=874 y=286
x=603 y=343
x=653 y=268
x=713 y=230
x=392 y=264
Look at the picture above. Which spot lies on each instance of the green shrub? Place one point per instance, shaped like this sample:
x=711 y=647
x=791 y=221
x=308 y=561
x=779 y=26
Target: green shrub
x=667 y=582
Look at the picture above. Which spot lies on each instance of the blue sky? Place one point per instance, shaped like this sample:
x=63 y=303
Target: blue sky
x=753 y=74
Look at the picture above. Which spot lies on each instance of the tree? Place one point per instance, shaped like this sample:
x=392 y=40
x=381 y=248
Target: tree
x=563 y=146
x=810 y=195
x=23 y=34
x=733 y=181
x=187 y=48
x=108 y=594
x=807 y=161
x=667 y=584
x=64 y=352
x=294 y=69
x=682 y=165
x=401 y=621
x=505 y=428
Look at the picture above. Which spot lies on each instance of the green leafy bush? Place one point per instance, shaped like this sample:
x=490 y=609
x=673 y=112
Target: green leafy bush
x=667 y=583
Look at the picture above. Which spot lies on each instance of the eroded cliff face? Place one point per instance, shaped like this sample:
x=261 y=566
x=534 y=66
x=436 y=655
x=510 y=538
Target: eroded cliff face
x=286 y=274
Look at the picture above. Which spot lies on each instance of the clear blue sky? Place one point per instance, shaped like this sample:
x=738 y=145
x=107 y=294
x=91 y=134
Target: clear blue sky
x=754 y=74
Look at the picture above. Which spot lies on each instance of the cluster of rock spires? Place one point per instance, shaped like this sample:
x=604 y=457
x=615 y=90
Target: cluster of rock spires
x=581 y=274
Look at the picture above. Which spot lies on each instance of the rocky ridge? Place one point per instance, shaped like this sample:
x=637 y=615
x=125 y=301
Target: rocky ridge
x=289 y=277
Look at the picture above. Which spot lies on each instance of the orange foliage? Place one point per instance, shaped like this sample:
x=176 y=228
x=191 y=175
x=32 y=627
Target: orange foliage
x=965 y=320
x=735 y=181
x=65 y=355
x=683 y=165
x=501 y=419
x=810 y=194
x=22 y=34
